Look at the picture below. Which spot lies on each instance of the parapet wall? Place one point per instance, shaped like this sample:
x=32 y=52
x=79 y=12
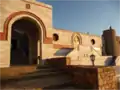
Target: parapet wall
x=98 y=78
x=66 y=36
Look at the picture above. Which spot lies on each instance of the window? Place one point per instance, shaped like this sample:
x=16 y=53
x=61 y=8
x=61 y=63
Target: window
x=55 y=37
x=93 y=41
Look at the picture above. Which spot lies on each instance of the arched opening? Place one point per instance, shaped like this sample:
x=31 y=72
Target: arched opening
x=76 y=42
x=55 y=37
x=92 y=41
x=25 y=36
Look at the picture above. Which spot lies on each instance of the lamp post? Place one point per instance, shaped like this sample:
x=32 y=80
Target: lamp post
x=92 y=58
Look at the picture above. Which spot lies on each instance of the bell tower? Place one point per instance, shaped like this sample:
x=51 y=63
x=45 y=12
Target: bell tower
x=110 y=43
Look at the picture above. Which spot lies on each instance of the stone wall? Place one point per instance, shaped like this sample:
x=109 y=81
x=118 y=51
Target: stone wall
x=16 y=71
x=58 y=62
x=106 y=78
x=65 y=38
x=99 y=77
x=82 y=57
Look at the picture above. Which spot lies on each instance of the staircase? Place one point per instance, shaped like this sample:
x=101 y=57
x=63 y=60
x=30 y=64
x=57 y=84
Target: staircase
x=45 y=78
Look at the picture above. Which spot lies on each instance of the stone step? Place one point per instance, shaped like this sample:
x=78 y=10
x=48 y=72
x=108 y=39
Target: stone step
x=48 y=68
x=41 y=82
x=51 y=69
x=66 y=86
x=44 y=77
x=43 y=73
x=43 y=67
x=70 y=88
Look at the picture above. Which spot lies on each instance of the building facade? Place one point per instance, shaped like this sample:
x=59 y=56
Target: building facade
x=27 y=36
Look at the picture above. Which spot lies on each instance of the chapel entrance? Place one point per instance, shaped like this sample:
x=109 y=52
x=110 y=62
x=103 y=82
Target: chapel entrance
x=24 y=42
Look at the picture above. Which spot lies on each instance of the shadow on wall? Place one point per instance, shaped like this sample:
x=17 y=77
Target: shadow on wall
x=110 y=61
x=58 y=62
x=63 y=51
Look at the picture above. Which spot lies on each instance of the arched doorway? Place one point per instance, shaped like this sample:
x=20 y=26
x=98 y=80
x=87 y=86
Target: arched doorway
x=25 y=36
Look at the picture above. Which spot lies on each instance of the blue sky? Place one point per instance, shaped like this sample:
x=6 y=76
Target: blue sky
x=91 y=16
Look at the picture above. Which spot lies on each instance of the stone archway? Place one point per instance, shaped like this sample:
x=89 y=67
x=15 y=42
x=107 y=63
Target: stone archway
x=6 y=34
x=25 y=35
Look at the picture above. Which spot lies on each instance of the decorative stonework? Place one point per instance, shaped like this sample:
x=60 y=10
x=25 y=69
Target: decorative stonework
x=41 y=5
x=4 y=34
x=76 y=40
x=28 y=6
